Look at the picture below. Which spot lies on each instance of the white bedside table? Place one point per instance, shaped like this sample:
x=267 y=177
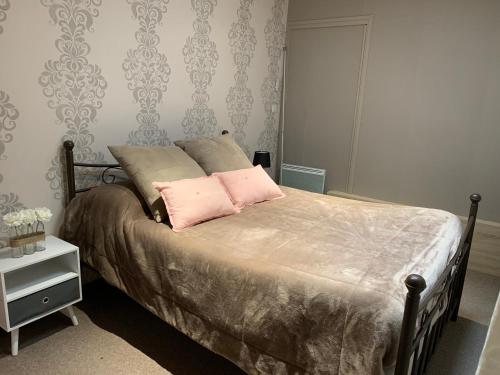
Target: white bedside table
x=37 y=285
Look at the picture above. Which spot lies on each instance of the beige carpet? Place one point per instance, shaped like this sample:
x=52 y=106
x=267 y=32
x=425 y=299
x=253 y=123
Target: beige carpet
x=479 y=297
x=117 y=336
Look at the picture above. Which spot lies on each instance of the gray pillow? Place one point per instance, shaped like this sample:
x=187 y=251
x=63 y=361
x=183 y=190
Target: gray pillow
x=145 y=164
x=220 y=154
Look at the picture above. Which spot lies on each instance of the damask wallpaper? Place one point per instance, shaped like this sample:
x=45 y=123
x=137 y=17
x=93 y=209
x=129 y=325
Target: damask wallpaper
x=200 y=56
x=9 y=201
x=129 y=71
x=147 y=71
x=4 y=7
x=270 y=89
x=240 y=98
x=73 y=86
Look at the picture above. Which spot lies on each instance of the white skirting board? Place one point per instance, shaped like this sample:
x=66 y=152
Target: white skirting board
x=485 y=250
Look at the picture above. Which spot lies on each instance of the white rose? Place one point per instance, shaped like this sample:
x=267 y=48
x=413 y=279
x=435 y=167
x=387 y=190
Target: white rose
x=28 y=216
x=12 y=219
x=43 y=214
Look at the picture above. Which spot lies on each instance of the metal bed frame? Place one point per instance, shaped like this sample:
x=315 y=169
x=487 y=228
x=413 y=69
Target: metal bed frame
x=424 y=319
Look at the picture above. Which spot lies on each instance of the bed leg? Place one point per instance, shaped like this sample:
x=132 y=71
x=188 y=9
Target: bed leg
x=415 y=285
x=475 y=199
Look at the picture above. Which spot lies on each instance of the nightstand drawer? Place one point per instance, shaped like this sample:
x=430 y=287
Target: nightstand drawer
x=38 y=303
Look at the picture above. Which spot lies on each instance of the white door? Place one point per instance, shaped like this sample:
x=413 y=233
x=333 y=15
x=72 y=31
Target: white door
x=321 y=99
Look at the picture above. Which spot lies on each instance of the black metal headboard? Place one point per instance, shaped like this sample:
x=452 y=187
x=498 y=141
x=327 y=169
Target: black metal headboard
x=70 y=170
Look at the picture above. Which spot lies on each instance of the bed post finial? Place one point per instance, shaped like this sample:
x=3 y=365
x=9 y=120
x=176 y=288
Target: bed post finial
x=70 y=169
x=415 y=285
x=475 y=199
x=68 y=145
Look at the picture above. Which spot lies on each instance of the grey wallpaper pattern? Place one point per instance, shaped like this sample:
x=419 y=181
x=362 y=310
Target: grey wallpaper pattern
x=4 y=7
x=8 y=117
x=8 y=201
x=240 y=99
x=75 y=90
x=147 y=72
x=74 y=87
x=271 y=87
x=200 y=56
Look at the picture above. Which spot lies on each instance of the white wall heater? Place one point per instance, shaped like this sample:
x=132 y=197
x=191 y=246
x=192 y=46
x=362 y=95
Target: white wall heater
x=304 y=178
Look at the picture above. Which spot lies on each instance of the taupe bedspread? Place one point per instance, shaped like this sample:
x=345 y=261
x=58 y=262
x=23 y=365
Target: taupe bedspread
x=305 y=284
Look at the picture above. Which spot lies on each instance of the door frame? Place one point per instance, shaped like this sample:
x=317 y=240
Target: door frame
x=366 y=22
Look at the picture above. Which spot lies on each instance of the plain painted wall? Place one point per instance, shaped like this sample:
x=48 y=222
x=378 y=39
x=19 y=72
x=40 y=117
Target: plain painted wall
x=430 y=130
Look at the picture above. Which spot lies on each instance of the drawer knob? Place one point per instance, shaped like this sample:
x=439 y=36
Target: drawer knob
x=45 y=300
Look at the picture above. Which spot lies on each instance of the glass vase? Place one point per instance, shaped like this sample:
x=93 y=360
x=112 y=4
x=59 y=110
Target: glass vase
x=40 y=245
x=15 y=251
x=29 y=248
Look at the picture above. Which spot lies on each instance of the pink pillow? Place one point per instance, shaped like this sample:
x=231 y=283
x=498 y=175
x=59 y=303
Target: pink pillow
x=249 y=186
x=194 y=200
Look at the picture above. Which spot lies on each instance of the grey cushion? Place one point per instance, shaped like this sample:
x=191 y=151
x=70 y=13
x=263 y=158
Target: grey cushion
x=145 y=164
x=220 y=154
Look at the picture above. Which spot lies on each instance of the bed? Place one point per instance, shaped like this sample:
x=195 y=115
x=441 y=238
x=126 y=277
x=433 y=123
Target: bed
x=304 y=284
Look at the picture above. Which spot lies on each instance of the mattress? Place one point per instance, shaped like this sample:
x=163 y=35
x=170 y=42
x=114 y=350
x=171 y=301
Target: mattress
x=305 y=284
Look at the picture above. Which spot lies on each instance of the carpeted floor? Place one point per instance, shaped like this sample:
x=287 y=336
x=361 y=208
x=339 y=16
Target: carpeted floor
x=117 y=336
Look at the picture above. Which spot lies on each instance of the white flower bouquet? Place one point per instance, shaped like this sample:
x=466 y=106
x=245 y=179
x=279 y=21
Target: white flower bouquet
x=28 y=228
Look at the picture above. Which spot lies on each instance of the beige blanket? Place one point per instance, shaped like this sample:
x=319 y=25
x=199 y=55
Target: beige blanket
x=305 y=284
